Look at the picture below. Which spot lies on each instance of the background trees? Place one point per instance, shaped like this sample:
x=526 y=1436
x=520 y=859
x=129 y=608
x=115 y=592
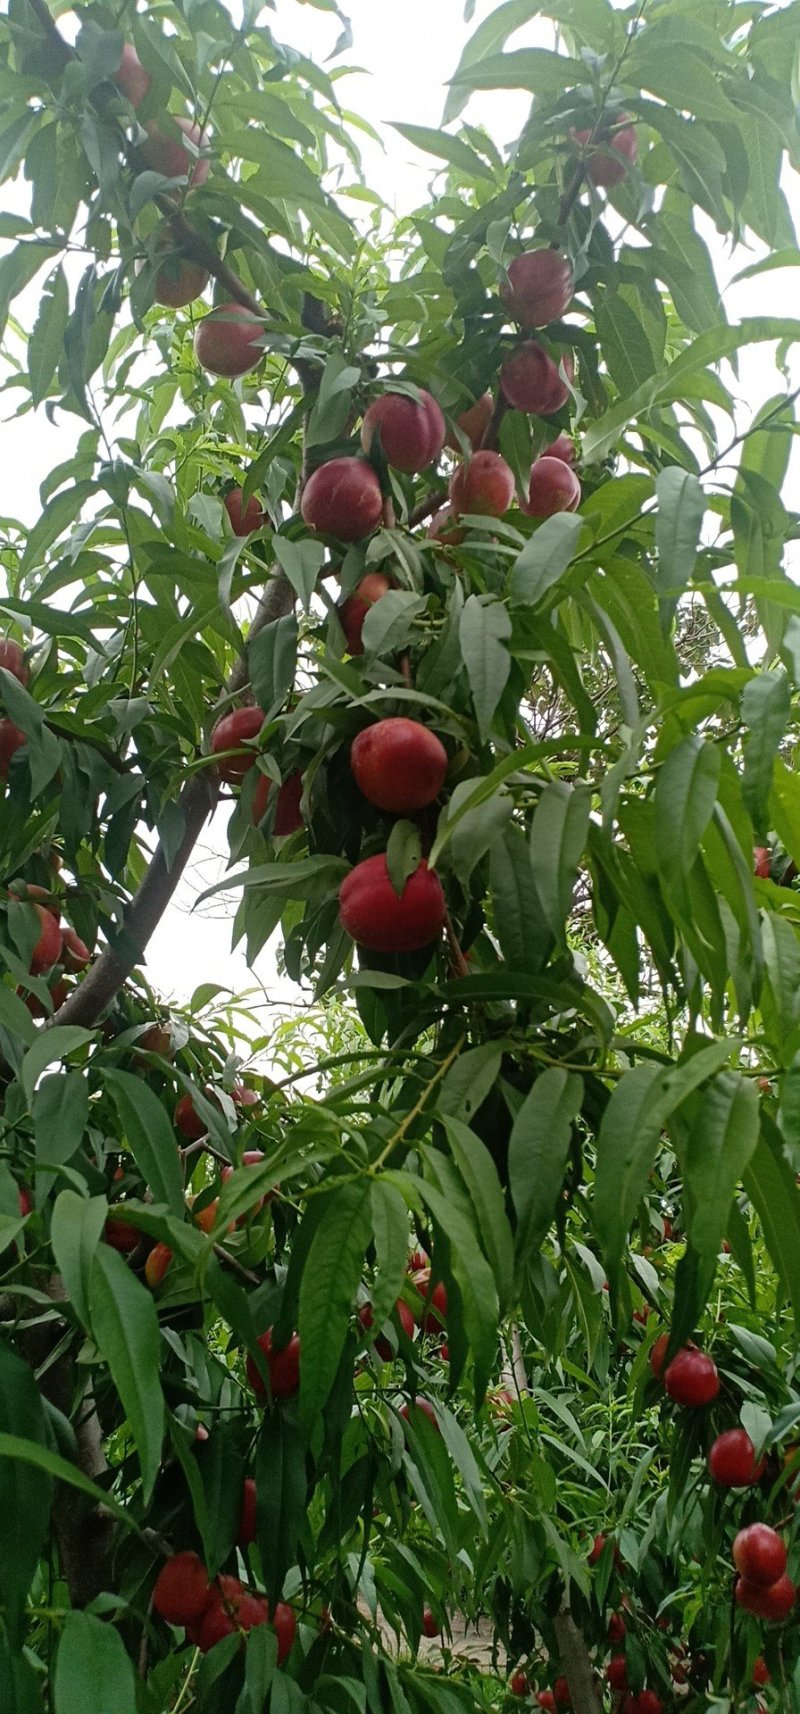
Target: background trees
x=449 y=552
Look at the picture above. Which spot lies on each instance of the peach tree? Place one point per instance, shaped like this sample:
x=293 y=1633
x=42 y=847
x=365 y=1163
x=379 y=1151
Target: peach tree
x=445 y=558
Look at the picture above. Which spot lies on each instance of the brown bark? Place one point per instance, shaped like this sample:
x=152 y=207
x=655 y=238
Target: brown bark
x=577 y=1665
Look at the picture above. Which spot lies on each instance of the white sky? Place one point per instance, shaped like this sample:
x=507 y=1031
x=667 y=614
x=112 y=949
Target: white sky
x=407 y=48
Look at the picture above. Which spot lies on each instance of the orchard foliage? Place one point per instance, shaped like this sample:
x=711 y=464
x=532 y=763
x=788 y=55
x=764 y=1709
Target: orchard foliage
x=575 y=1078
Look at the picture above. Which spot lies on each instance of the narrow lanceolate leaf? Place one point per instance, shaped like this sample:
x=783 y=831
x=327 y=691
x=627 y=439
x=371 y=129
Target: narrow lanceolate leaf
x=766 y=707
x=75 y=1233
x=679 y=520
x=60 y=1114
x=390 y=1231
x=19 y=1686
x=537 y=1155
x=124 y=1325
x=517 y=916
x=93 y=1669
x=478 y=1171
x=280 y=1476
x=25 y=1495
x=473 y=1276
x=151 y=1137
x=770 y=1184
x=484 y=630
x=446 y=148
x=722 y=1139
x=545 y=558
x=47 y=339
x=626 y=1148
x=272 y=656
x=558 y=838
x=328 y=1291
x=49 y=1046
x=686 y=791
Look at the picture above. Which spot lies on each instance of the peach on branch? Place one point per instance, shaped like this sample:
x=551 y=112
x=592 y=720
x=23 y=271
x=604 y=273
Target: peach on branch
x=354 y=610
x=411 y=432
x=234 y=730
x=130 y=76
x=287 y=810
x=553 y=487
x=484 y=484
x=531 y=382
x=228 y=341
x=616 y=152
x=12 y=657
x=473 y=423
x=164 y=154
x=343 y=498
x=179 y=280
x=243 y=518
x=398 y=764
x=384 y=921
x=539 y=287
x=12 y=739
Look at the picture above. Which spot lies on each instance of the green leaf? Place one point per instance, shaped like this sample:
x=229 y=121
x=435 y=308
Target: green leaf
x=328 y=1291
x=124 y=1325
x=685 y=795
x=19 y=1689
x=146 y=1127
x=626 y=1147
x=390 y=1229
x=766 y=709
x=93 y=1669
x=469 y=1081
x=272 y=657
x=49 y=1045
x=537 y=1155
x=389 y=621
x=479 y=1173
x=29 y=1452
x=681 y=78
x=14 y=1015
x=623 y=333
x=75 y=1233
x=487 y=39
x=220 y=1467
x=47 y=339
x=537 y=69
x=484 y=630
x=721 y=1141
x=472 y=1274
x=25 y=1498
x=280 y=1476
x=770 y=1184
x=60 y=1116
x=545 y=558
x=779 y=1001
x=302 y=562
x=679 y=521
x=517 y=915
x=451 y=149
x=403 y=853
x=558 y=839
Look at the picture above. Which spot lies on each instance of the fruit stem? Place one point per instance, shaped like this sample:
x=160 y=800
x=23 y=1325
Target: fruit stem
x=458 y=962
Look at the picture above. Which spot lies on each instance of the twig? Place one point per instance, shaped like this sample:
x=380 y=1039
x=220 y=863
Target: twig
x=238 y=1267
x=426 y=508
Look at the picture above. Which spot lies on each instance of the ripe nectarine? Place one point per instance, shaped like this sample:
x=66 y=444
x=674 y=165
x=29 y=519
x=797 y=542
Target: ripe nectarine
x=371 y=911
x=343 y=498
x=228 y=341
x=412 y=433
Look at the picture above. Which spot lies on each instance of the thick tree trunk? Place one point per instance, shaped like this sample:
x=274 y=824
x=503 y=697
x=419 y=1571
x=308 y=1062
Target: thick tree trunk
x=577 y=1665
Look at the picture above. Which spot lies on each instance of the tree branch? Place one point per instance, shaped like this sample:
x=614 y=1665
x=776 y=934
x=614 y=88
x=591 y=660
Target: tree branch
x=577 y=1665
x=89 y=1000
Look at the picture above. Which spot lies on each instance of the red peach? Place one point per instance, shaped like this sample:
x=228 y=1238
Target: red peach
x=412 y=433
x=554 y=487
x=343 y=498
x=539 y=287
x=531 y=381
x=484 y=485
x=228 y=341
x=372 y=912
x=164 y=154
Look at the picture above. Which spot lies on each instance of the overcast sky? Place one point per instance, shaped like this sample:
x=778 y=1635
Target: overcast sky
x=407 y=49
